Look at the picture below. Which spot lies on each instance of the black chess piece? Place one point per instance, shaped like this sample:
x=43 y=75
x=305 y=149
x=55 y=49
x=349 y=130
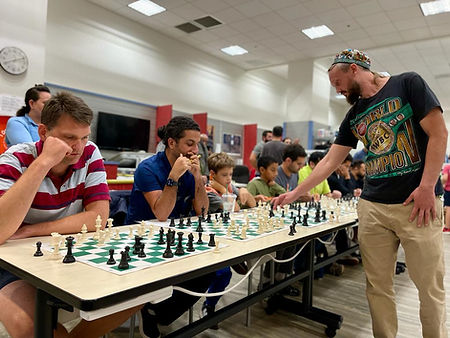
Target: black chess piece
x=172 y=237
x=324 y=215
x=208 y=219
x=291 y=232
x=212 y=242
x=127 y=251
x=282 y=213
x=161 y=236
x=172 y=222
x=181 y=222
x=271 y=214
x=137 y=244
x=203 y=213
x=141 y=253
x=168 y=252
x=199 y=227
x=199 y=241
x=189 y=222
x=305 y=220
x=317 y=218
x=111 y=260
x=190 y=243
x=123 y=264
x=38 y=252
x=293 y=227
x=292 y=214
x=69 y=258
x=179 y=251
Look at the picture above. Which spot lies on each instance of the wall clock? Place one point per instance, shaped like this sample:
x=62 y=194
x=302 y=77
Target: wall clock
x=13 y=60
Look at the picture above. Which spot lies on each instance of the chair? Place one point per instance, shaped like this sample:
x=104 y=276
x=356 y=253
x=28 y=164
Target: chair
x=241 y=174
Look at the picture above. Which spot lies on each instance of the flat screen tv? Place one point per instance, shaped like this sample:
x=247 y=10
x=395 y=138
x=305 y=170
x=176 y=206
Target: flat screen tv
x=118 y=132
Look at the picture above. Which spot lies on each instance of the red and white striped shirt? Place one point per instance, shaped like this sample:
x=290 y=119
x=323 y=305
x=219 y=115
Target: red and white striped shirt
x=84 y=183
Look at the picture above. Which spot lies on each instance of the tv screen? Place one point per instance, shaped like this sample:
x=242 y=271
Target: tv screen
x=117 y=132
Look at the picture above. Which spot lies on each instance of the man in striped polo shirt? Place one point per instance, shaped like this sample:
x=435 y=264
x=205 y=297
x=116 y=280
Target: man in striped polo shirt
x=54 y=185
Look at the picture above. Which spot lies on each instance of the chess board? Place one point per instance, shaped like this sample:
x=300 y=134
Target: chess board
x=253 y=230
x=95 y=255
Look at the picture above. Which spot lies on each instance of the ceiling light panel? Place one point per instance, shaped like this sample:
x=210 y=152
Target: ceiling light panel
x=234 y=50
x=146 y=7
x=317 y=32
x=435 y=7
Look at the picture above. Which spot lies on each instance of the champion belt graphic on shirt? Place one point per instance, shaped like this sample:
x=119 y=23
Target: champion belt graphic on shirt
x=387 y=131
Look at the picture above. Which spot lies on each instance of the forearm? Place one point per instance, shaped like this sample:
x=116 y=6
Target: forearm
x=201 y=197
x=165 y=203
x=16 y=202
x=434 y=159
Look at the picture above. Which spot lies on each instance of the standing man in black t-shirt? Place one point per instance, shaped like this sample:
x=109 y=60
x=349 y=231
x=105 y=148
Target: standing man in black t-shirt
x=399 y=120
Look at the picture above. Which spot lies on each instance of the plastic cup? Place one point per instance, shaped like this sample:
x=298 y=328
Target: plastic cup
x=228 y=201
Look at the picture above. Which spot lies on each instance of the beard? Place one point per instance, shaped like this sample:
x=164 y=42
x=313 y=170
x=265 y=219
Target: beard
x=354 y=93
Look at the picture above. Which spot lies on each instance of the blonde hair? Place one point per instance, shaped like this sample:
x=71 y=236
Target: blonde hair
x=219 y=161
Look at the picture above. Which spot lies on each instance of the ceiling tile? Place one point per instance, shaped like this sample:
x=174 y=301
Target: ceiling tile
x=389 y=5
x=380 y=29
x=229 y=15
x=372 y=20
x=320 y=6
x=363 y=8
x=409 y=24
x=210 y=6
x=189 y=12
x=277 y=4
x=252 y=8
x=269 y=19
x=294 y=12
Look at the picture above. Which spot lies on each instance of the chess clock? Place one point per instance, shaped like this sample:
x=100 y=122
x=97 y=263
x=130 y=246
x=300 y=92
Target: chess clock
x=13 y=60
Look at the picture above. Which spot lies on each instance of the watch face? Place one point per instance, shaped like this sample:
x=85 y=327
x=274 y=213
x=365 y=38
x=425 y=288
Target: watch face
x=13 y=60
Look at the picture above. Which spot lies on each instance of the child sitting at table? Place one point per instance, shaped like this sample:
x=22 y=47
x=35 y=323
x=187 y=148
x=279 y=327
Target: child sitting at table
x=221 y=168
x=263 y=188
x=221 y=171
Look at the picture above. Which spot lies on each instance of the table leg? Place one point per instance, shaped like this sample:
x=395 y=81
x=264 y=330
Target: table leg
x=43 y=319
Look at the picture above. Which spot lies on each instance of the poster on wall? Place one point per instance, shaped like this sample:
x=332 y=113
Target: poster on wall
x=231 y=143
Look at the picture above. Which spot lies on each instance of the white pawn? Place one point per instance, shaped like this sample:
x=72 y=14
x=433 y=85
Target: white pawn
x=109 y=223
x=117 y=236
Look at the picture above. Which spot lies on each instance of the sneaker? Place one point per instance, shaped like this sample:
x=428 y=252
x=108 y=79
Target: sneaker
x=446 y=230
x=208 y=310
x=290 y=291
x=148 y=326
x=336 y=269
x=348 y=260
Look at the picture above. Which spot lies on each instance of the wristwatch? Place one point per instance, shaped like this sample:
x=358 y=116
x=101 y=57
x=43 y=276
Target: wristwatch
x=171 y=183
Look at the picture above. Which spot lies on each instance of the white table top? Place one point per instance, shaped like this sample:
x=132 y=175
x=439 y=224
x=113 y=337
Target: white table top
x=87 y=283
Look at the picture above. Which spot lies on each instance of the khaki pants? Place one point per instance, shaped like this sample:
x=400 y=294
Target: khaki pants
x=382 y=227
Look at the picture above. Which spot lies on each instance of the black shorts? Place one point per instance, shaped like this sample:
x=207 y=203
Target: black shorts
x=6 y=277
x=446 y=198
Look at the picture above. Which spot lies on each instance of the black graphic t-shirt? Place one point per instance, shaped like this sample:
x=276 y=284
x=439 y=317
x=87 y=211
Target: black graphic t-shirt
x=388 y=125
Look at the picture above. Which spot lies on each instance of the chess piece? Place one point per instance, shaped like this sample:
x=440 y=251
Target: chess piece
x=199 y=241
x=199 y=227
x=141 y=253
x=211 y=240
x=172 y=222
x=208 y=219
x=291 y=232
x=69 y=258
x=168 y=252
x=189 y=222
x=127 y=251
x=216 y=249
x=190 y=244
x=38 y=252
x=111 y=260
x=161 y=236
x=179 y=251
x=181 y=222
x=123 y=264
x=137 y=244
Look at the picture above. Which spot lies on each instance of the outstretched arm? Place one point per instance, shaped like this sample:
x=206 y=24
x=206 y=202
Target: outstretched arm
x=324 y=168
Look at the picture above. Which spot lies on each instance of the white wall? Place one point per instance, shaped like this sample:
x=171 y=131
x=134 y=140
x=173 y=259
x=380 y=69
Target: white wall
x=96 y=50
x=23 y=24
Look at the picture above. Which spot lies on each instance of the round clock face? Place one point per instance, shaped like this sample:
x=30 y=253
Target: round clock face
x=13 y=60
